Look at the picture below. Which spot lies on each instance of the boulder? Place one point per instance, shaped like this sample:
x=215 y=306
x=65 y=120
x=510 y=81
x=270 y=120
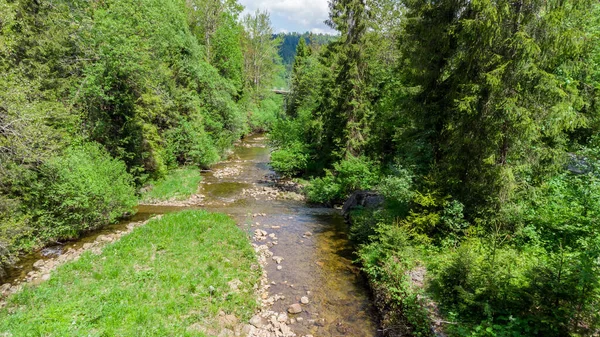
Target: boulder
x=366 y=199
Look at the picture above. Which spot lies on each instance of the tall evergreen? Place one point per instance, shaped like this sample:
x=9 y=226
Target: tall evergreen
x=346 y=118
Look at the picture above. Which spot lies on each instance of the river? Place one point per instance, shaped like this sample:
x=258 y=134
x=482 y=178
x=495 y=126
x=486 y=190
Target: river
x=313 y=242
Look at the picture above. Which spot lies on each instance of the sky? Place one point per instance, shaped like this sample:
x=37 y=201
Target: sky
x=293 y=15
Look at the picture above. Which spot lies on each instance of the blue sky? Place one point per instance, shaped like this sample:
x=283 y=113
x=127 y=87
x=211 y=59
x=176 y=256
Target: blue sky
x=293 y=15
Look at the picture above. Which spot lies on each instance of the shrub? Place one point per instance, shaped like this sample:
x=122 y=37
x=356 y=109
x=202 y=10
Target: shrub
x=80 y=190
x=188 y=143
x=347 y=176
x=291 y=160
x=388 y=262
x=397 y=190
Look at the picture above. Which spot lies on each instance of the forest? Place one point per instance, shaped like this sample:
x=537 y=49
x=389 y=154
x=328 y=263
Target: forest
x=478 y=121
x=98 y=98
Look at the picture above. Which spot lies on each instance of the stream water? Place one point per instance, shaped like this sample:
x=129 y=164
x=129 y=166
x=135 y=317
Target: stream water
x=317 y=256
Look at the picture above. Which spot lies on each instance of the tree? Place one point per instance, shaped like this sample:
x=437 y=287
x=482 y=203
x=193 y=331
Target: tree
x=496 y=95
x=260 y=54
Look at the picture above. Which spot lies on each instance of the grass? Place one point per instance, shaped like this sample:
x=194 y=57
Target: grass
x=179 y=184
x=167 y=278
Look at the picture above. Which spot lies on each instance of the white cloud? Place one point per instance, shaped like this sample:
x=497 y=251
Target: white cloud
x=293 y=15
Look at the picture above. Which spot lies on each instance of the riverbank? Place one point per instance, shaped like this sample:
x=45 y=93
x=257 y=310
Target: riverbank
x=190 y=273
x=307 y=284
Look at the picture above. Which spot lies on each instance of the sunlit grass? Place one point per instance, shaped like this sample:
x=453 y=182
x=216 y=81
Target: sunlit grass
x=165 y=279
x=179 y=184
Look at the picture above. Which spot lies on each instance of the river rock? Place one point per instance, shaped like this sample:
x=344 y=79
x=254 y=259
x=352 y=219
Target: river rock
x=256 y=321
x=5 y=288
x=295 y=308
x=226 y=333
x=282 y=317
x=39 y=264
x=304 y=300
x=308 y=234
x=279 y=267
x=366 y=199
x=277 y=259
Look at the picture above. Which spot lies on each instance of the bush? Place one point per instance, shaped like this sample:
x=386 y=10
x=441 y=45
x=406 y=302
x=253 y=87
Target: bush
x=347 y=176
x=291 y=160
x=397 y=190
x=81 y=190
x=265 y=115
x=388 y=262
x=14 y=227
x=188 y=143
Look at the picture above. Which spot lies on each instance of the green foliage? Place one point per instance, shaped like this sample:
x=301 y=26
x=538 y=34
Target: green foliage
x=493 y=105
x=189 y=144
x=155 y=83
x=179 y=184
x=81 y=190
x=138 y=287
x=397 y=189
x=291 y=160
x=389 y=260
x=346 y=177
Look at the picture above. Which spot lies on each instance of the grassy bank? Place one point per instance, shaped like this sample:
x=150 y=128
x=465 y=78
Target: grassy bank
x=178 y=185
x=168 y=278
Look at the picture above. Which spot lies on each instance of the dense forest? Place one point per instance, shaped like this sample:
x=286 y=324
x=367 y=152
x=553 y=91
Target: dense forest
x=97 y=98
x=289 y=43
x=478 y=121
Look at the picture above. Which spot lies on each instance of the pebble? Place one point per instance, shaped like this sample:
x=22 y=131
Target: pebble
x=304 y=300
x=279 y=267
x=295 y=308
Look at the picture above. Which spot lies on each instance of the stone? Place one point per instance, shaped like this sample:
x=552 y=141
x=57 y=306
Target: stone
x=39 y=264
x=366 y=199
x=295 y=308
x=256 y=321
x=277 y=259
x=45 y=277
x=226 y=333
x=279 y=267
x=228 y=320
x=248 y=330
x=282 y=317
x=5 y=288
x=285 y=330
x=104 y=238
x=304 y=300
x=308 y=234
x=234 y=285
x=299 y=319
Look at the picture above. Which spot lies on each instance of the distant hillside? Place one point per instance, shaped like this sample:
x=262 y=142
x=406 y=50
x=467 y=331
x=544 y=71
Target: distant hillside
x=287 y=50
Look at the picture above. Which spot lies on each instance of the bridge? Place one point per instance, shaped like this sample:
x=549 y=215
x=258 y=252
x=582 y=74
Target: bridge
x=281 y=91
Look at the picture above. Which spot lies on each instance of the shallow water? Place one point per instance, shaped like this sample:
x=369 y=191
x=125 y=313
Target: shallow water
x=317 y=265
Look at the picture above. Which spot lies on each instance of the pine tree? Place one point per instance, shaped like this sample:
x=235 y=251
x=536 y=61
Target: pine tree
x=346 y=122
